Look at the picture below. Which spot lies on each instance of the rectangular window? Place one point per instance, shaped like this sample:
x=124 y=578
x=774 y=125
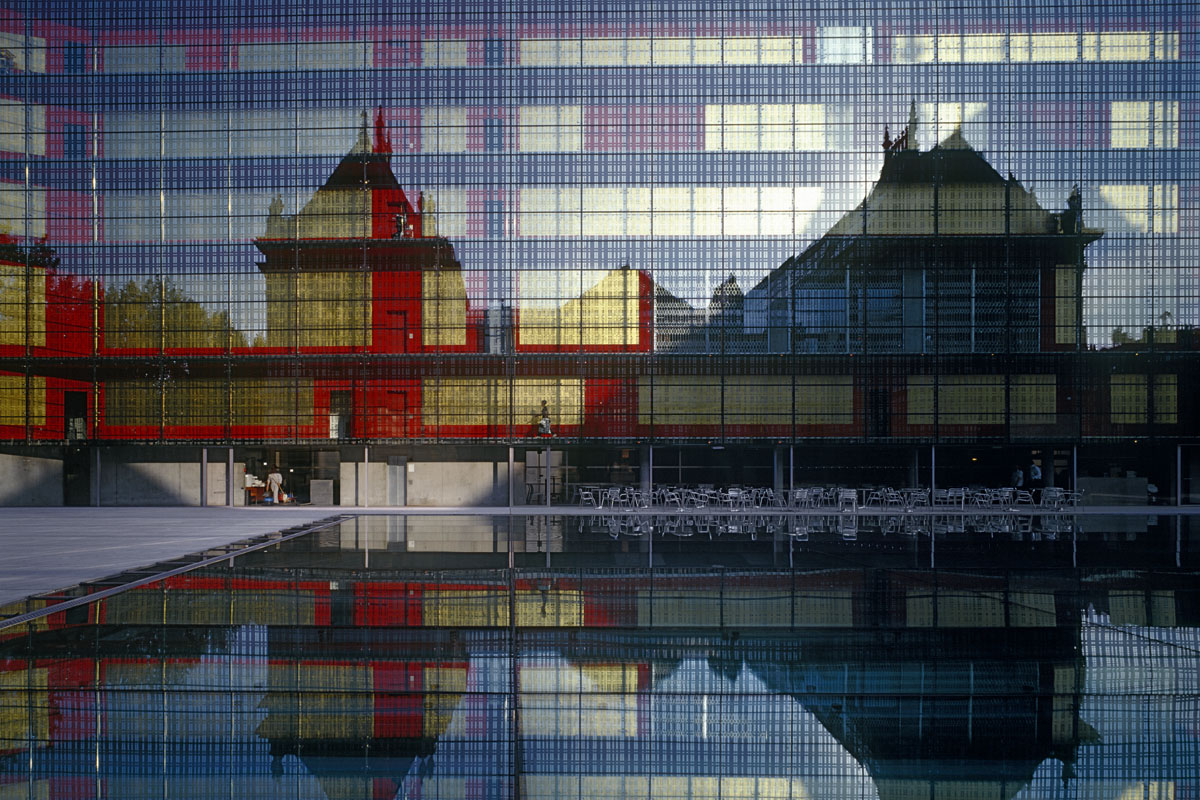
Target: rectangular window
x=495 y=218
x=74 y=147
x=493 y=52
x=73 y=58
x=493 y=135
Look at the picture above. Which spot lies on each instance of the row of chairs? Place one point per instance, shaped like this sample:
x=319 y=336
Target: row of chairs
x=822 y=497
x=847 y=526
x=1051 y=497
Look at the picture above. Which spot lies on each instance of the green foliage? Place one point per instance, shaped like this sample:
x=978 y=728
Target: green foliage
x=155 y=312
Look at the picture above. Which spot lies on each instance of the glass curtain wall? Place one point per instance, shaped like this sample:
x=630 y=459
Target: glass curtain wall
x=618 y=221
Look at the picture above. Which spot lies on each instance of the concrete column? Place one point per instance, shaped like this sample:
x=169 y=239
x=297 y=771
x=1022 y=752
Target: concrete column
x=229 y=488
x=95 y=475
x=366 y=480
x=647 y=468
x=791 y=473
x=1178 y=475
x=203 y=476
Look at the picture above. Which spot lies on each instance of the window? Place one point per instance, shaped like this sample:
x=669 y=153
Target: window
x=493 y=52
x=74 y=142
x=73 y=58
x=493 y=135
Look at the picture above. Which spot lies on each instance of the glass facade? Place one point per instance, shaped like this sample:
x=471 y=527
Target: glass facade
x=369 y=659
x=785 y=222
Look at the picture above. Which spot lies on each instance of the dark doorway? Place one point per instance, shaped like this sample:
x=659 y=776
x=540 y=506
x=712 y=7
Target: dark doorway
x=341 y=414
x=75 y=416
x=77 y=476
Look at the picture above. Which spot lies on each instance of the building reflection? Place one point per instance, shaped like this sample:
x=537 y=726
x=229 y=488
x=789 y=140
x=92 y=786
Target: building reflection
x=842 y=683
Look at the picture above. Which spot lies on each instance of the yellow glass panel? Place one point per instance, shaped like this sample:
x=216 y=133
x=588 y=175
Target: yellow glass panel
x=444 y=687
x=1130 y=124
x=551 y=129
x=745 y=400
x=1145 y=208
x=22 y=305
x=706 y=51
x=979 y=399
x=985 y=47
x=338 y=702
x=914 y=49
x=24 y=714
x=254 y=401
x=444 y=130
x=336 y=214
x=740 y=50
x=1165 y=211
x=1127 y=46
x=1166 y=124
x=499 y=401
x=607 y=314
x=1066 y=305
x=1166 y=46
x=22 y=127
x=1142 y=124
x=778 y=50
x=444 y=53
x=538 y=52
x=672 y=52
x=28 y=52
x=810 y=127
x=443 y=308
x=319 y=309
x=20 y=405
x=1033 y=399
x=1166 y=399
x=1127 y=399
x=1131 y=202
x=22 y=210
x=605 y=52
x=770 y=127
x=1053 y=46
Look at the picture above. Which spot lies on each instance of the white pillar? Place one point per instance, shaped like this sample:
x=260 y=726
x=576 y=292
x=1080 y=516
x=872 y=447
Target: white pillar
x=366 y=479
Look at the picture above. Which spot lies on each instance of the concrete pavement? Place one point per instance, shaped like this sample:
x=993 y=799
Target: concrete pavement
x=44 y=549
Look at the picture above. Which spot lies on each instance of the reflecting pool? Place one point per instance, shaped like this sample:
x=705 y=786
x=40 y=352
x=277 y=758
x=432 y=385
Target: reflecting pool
x=385 y=657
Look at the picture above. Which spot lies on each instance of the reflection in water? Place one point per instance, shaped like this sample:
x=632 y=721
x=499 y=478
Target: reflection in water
x=346 y=680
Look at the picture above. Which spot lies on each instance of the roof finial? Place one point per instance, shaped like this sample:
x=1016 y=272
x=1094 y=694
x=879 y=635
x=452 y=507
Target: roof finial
x=382 y=143
x=363 y=145
x=911 y=133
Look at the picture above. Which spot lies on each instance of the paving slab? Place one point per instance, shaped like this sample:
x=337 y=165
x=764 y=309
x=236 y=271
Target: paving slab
x=44 y=549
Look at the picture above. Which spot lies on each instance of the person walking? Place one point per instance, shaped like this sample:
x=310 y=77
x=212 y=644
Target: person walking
x=275 y=485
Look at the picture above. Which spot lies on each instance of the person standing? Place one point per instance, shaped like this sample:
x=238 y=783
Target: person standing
x=275 y=485
x=1035 y=475
x=1018 y=478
